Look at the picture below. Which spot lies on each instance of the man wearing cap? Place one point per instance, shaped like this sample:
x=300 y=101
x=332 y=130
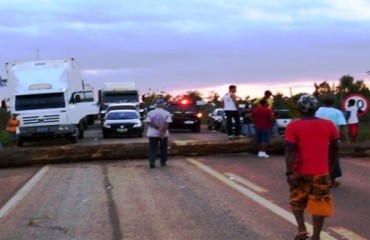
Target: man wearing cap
x=158 y=121
x=311 y=152
x=328 y=111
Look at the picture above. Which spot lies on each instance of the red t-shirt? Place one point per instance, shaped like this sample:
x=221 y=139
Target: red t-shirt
x=312 y=137
x=262 y=117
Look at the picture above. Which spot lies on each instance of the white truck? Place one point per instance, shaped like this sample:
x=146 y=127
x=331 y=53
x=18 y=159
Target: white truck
x=117 y=92
x=46 y=96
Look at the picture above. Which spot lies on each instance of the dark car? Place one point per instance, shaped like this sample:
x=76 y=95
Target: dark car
x=185 y=115
x=282 y=118
x=214 y=119
x=122 y=123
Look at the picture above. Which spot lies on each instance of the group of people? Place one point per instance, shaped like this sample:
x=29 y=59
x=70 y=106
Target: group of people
x=311 y=156
x=258 y=122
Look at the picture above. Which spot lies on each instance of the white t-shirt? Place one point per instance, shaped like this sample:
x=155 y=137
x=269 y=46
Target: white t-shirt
x=158 y=117
x=353 y=118
x=332 y=114
x=229 y=104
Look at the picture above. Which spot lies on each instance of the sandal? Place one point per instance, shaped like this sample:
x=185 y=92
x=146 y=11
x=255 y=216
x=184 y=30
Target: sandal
x=301 y=236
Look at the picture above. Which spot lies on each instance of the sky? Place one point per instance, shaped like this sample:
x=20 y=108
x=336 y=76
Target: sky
x=175 y=46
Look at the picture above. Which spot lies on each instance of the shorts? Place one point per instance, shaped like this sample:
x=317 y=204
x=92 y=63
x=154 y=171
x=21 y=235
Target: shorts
x=262 y=135
x=311 y=192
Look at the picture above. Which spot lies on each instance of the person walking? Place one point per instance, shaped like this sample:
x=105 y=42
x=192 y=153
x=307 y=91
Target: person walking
x=262 y=118
x=310 y=154
x=328 y=111
x=13 y=124
x=158 y=121
x=352 y=118
x=230 y=105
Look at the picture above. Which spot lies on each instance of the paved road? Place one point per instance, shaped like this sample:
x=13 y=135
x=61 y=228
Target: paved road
x=214 y=197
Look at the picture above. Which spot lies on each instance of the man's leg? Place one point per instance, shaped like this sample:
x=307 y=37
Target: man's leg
x=228 y=123
x=299 y=217
x=163 y=151
x=318 y=222
x=237 y=122
x=153 y=150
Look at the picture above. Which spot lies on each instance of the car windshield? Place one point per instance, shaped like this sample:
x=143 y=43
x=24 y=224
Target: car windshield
x=122 y=115
x=282 y=114
x=219 y=113
x=110 y=108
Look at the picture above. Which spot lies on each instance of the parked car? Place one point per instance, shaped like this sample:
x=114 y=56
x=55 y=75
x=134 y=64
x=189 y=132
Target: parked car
x=122 y=123
x=214 y=119
x=117 y=106
x=282 y=118
x=186 y=114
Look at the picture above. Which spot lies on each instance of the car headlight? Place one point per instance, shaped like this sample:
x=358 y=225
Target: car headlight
x=106 y=125
x=138 y=125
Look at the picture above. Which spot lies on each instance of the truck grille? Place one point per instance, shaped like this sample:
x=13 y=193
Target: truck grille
x=40 y=119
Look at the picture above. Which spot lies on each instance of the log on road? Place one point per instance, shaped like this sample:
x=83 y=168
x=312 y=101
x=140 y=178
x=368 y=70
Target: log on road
x=25 y=156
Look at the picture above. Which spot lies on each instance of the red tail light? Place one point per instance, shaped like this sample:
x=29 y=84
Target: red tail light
x=184 y=101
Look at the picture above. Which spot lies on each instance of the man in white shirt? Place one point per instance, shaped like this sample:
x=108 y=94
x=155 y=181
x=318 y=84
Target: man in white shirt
x=352 y=118
x=158 y=121
x=328 y=111
x=230 y=105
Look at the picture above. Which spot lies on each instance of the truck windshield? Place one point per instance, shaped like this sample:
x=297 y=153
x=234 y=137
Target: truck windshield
x=39 y=101
x=121 y=98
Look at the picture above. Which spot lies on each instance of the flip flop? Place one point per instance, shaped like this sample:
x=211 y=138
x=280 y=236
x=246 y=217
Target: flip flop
x=301 y=236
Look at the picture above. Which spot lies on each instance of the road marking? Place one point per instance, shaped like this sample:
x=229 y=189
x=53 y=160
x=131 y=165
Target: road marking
x=23 y=192
x=347 y=233
x=246 y=183
x=258 y=199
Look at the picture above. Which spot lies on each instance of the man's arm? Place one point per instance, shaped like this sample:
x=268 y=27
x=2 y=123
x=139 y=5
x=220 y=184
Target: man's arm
x=290 y=155
x=333 y=154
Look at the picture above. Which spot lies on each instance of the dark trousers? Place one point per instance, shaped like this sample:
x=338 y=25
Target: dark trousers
x=154 y=143
x=229 y=123
x=337 y=171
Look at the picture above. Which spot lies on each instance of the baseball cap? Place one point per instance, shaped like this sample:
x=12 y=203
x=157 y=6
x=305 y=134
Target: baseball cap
x=307 y=103
x=160 y=101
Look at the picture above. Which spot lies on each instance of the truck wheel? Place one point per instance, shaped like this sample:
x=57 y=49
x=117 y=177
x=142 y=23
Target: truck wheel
x=80 y=131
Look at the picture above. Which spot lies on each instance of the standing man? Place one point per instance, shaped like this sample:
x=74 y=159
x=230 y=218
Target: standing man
x=262 y=118
x=230 y=105
x=352 y=118
x=328 y=111
x=270 y=104
x=311 y=151
x=13 y=125
x=158 y=121
x=268 y=97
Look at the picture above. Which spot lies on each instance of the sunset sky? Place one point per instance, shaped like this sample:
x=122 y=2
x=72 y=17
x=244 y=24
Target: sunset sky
x=204 y=45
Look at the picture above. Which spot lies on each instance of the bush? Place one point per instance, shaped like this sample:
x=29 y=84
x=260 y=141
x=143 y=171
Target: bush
x=4 y=135
x=5 y=138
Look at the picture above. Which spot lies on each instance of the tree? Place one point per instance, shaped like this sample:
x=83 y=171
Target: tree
x=322 y=89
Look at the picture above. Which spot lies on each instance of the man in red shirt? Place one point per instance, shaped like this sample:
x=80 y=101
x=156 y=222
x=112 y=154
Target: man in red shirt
x=311 y=151
x=262 y=118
